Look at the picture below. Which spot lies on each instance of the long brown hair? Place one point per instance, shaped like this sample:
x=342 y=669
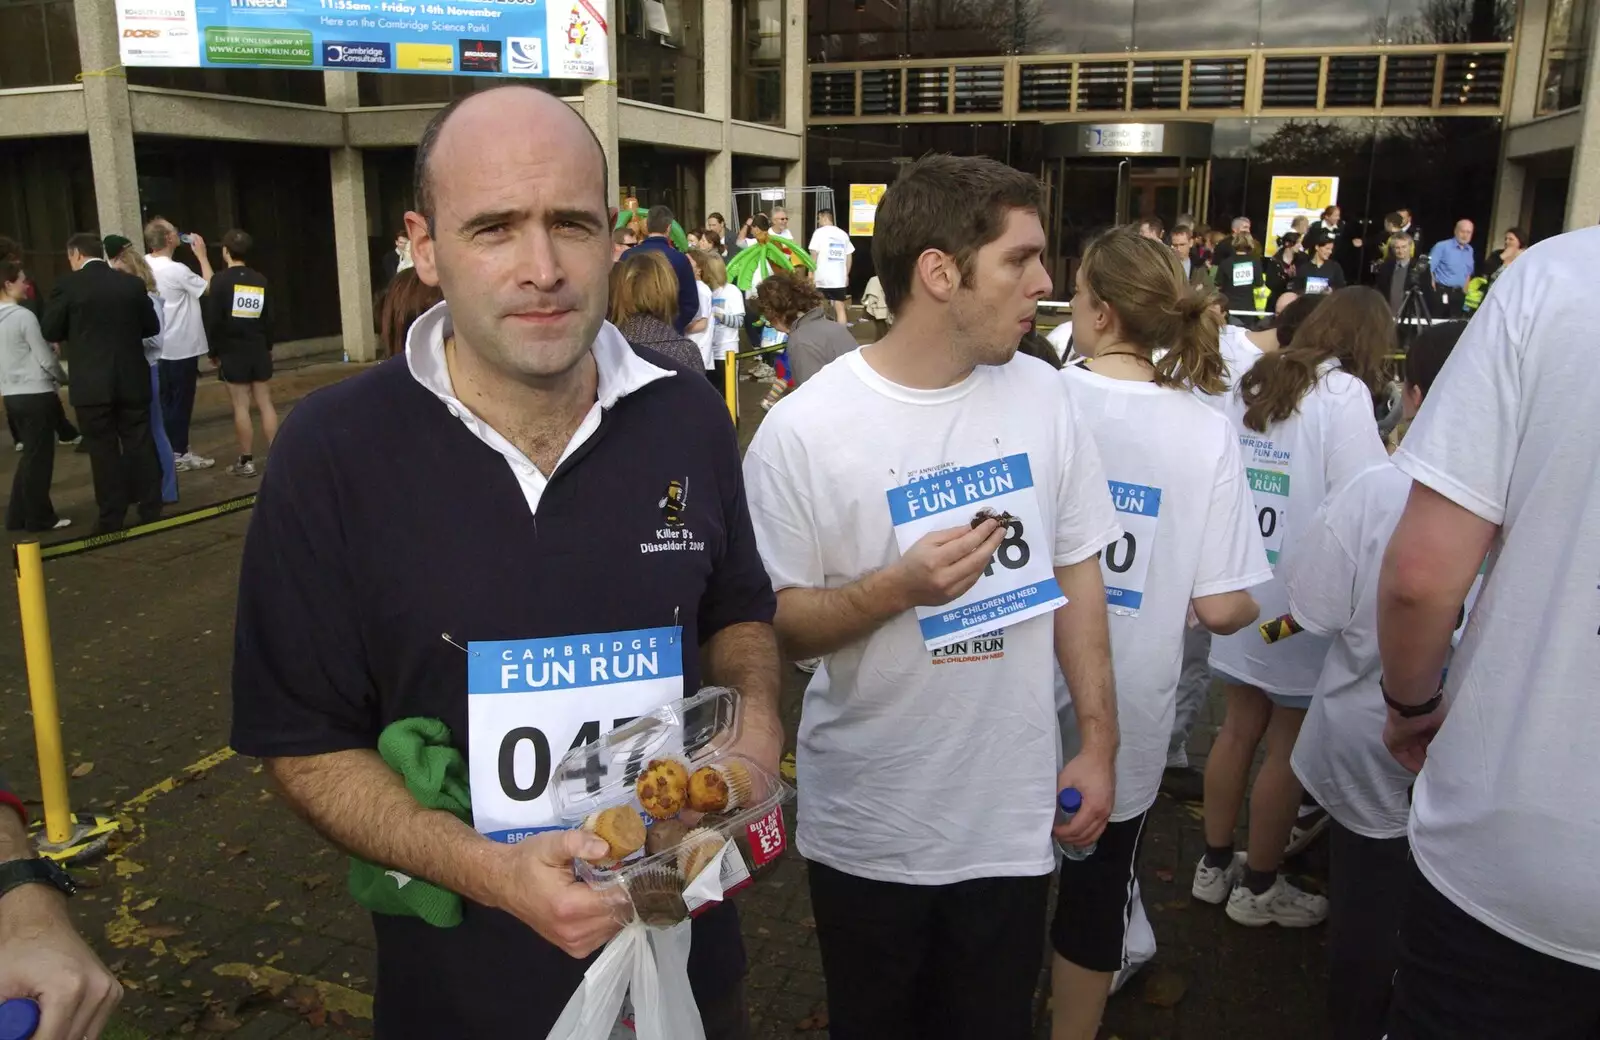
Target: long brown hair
x=643 y=283
x=404 y=301
x=1353 y=327
x=1140 y=279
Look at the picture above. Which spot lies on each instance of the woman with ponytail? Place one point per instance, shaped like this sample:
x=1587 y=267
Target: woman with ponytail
x=1190 y=541
x=1304 y=418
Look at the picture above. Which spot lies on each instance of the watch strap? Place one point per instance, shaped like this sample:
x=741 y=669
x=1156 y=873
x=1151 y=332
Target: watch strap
x=18 y=872
x=1412 y=711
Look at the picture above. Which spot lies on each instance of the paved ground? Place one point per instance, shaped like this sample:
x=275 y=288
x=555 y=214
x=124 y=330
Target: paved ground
x=224 y=915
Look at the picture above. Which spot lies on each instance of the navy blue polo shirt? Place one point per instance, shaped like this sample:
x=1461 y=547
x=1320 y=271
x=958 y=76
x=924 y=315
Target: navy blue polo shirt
x=688 y=296
x=383 y=521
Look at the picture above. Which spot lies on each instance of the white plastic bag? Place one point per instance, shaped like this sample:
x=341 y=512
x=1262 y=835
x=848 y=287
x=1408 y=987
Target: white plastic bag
x=651 y=965
x=1141 y=942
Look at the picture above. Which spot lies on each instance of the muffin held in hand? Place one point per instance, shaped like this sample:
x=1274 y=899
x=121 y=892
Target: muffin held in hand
x=664 y=835
x=697 y=850
x=663 y=788
x=708 y=791
x=620 y=828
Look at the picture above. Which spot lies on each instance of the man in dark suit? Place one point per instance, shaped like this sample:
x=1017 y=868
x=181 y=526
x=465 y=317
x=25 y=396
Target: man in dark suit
x=1183 y=247
x=103 y=315
x=657 y=225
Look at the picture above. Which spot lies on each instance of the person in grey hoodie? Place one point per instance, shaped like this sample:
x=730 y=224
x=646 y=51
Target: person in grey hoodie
x=795 y=307
x=30 y=375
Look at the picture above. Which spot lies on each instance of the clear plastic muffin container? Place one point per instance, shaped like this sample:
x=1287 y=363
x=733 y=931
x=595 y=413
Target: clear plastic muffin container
x=711 y=818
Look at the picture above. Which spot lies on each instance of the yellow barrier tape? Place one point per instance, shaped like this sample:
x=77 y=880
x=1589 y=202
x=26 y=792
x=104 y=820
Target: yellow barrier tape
x=166 y=523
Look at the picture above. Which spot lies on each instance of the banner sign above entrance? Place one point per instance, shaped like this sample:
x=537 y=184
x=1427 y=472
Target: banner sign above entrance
x=864 y=199
x=1298 y=197
x=1122 y=138
x=544 y=39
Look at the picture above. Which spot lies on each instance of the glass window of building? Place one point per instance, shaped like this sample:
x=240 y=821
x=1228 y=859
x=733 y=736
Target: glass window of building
x=38 y=43
x=300 y=86
x=661 y=53
x=758 y=60
x=854 y=30
x=1566 y=54
x=377 y=89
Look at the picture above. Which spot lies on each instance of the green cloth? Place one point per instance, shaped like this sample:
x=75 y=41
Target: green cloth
x=436 y=775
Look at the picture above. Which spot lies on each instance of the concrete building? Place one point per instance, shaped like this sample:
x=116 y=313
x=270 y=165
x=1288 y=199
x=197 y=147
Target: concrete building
x=1487 y=109
x=317 y=165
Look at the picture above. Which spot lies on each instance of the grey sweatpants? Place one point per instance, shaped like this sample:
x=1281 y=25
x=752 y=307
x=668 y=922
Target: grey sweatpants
x=1194 y=684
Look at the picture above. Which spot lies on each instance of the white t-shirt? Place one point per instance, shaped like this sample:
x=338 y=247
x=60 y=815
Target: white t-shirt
x=1505 y=818
x=1238 y=354
x=184 y=332
x=1291 y=468
x=703 y=339
x=1189 y=530
x=1332 y=585
x=829 y=247
x=726 y=303
x=923 y=767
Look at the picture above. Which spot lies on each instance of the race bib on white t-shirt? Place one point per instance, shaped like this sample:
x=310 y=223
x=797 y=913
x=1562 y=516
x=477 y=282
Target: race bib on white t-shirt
x=836 y=251
x=1243 y=273
x=1270 y=487
x=248 y=301
x=1126 y=562
x=1020 y=581
x=530 y=701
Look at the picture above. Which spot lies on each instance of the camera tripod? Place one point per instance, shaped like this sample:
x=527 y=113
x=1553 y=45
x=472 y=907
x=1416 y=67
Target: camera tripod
x=1414 y=310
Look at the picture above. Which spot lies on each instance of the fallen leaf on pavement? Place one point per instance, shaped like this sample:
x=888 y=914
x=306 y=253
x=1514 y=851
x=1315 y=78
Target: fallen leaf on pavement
x=147 y=904
x=215 y=1020
x=816 y=1020
x=82 y=769
x=316 y=881
x=808 y=922
x=1164 y=988
x=1163 y=874
x=272 y=906
x=162 y=931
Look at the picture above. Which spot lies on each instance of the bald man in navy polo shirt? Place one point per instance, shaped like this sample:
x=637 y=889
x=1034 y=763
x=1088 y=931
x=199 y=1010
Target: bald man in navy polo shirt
x=502 y=481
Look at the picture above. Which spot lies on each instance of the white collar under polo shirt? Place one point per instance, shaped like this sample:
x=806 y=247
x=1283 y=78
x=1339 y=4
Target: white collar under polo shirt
x=620 y=372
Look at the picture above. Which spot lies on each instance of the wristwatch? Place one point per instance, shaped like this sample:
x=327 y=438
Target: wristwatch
x=19 y=872
x=1412 y=711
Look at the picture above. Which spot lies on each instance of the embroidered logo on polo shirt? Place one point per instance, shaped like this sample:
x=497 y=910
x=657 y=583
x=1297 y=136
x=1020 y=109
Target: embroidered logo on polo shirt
x=674 y=535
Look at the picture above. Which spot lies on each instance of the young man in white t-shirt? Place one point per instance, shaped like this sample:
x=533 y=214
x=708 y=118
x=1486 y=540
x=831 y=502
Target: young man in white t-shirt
x=1502 y=934
x=831 y=249
x=183 y=340
x=1339 y=757
x=928 y=747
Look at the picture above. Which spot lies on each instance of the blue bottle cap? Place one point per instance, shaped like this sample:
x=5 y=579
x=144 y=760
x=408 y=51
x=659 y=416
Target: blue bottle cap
x=1070 y=800
x=19 y=1017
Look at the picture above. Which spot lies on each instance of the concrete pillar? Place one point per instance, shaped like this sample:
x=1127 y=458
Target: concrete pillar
x=1509 y=196
x=1528 y=57
x=718 y=15
x=105 y=104
x=794 y=68
x=349 y=178
x=600 y=112
x=794 y=182
x=1583 y=194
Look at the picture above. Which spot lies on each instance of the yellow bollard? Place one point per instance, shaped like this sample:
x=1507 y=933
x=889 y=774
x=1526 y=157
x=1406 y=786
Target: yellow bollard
x=58 y=821
x=730 y=384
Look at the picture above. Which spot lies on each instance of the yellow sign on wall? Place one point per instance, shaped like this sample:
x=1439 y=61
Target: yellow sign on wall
x=425 y=57
x=864 y=200
x=1297 y=197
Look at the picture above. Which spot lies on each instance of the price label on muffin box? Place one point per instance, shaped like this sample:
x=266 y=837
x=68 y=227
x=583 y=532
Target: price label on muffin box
x=732 y=875
x=1019 y=583
x=767 y=840
x=530 y=701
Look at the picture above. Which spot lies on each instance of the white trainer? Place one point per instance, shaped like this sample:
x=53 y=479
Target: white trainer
x=1212 y=884
x=1282 y=904
x=197 y=461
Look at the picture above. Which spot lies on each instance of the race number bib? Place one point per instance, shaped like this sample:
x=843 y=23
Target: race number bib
x=1019 y=583
x=835 y=250
x=771 y=337
x=1270 y=487
x=530 y=701
x=248 y=301
x=1126 y=561
x=1243 y=273
x=1316 y=286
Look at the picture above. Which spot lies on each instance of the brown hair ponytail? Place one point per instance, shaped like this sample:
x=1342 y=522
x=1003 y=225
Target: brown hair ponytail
x=1139 y=278
x=1353 y=327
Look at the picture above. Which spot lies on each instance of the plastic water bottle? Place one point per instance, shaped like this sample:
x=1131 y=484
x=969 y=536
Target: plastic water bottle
x=19 y=1017
x=1068 y=802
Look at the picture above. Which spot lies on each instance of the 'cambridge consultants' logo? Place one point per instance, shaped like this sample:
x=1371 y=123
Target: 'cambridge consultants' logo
x=356 y=54
x=480 y=55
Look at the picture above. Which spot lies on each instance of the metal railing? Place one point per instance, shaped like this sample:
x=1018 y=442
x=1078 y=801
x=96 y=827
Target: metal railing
x=1389 y=80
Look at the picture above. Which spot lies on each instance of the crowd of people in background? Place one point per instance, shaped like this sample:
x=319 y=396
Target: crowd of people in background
x=124 y=333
